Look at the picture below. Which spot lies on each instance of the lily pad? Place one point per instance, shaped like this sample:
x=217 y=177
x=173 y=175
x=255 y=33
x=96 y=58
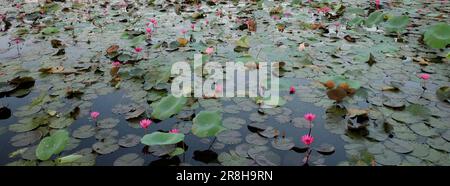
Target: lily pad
x=268 y=158
x=207 y=123
x=162 y=138
x=325 y=149
x=85 y=131
x=129 y=140
x=443 y=93
x=107 y=123
x=233 y=123
x=229 y=137
x=396 y=23
x=53 y=144
x=131 y=159
x=25 y=139
x=437 y=36
x=399 y=146
x=106 y=147
x=167 y=107
x=256 y=139
x=283 y=143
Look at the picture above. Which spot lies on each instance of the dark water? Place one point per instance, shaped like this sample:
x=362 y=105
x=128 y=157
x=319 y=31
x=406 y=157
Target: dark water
x=104 y=104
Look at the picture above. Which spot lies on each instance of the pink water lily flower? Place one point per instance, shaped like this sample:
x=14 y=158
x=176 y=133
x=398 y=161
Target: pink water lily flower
x=183 y=31
x=206 y=22
x=307 y=139
x=138 y=49
x=219 y=88
x=192 y=26
x=94 y=115
x=209 y=50
x=145 y=123
x=148 y=30
x=309 y=117
x=377 y=3
x=425 y=76
x=116 y=64
x=174 y=131
x=292 y=90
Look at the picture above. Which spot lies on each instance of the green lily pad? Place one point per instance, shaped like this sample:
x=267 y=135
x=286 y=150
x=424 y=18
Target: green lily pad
x=256 y=139
x=233 y=123
x=443 y=93
x=439 y=144
x=233 y=159
x=437 y=36
x=61 y=123
x=162 y=138
x=399 y=146
x=207 y=124
x=176 y=152
x=268 y=158
x=50 y=30
x=168 y=106
x=131 y=159
x=388 y=158
x=85 y=131
x=129 y=140
x=53 y=144
x=396 y=23
x=283 y=143
x=107 y=123
x=374 y=18
x=106 y=147
x=229 y=137
x=25 y=139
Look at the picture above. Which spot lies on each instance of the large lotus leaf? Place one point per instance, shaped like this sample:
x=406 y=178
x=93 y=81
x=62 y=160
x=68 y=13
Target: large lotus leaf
x=443 y=93
x=207 y=123
x=397 y=23
x=50 y=30
x=438 y=35
x=162 y=138
x=374 y=18
x=168 y=106
x=53 y=144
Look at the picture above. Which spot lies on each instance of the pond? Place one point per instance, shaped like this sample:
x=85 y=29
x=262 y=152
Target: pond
x=360 y=83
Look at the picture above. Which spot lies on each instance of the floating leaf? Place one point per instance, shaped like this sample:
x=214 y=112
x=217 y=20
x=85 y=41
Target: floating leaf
x=50 y=30
x=25 y=139
x=168 y=106
x=176 y=152
x=374 y=18
x=107 y=123
x=131 y=159
x=256 y=139
x=85 y=131
x=53 y=144
x=325 y=149
x=396 y=23
x=283 y=143
x=399 y=146
x=207 y=123
x=129 y=140
x=229 y=137
x=443 y=93
x=105 y=147
x=68 y=159
x=162 y=138
x=268 y=158
x=437 y=36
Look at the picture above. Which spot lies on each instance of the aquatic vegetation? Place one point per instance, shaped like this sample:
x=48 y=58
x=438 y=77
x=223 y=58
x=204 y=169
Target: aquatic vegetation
x=373 y=82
